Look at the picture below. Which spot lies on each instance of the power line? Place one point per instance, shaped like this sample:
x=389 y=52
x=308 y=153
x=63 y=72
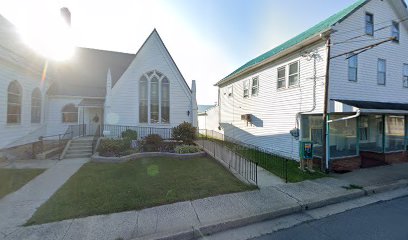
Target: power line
x=362 y=35
x=356 y=41
x=376 y=24
x=363 y=49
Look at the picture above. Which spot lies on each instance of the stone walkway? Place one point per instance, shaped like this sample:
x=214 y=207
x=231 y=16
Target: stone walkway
x=16 y=208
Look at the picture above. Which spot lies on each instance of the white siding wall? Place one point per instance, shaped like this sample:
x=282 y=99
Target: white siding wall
x=273 y=111
x=210 y=121
x=17 y=67
x=54 y=114
x=366 y=87
x=125 y=93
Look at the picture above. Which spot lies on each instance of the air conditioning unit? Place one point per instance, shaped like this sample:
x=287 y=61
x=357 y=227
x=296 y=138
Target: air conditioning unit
x=246 y=117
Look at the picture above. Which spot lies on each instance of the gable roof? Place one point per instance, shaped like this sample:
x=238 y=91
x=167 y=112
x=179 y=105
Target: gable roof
x=154 y=32
x=204 y=108
x=85 y=74
x=313 y=31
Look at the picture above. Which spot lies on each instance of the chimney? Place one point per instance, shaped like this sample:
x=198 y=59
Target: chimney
x=66 y=15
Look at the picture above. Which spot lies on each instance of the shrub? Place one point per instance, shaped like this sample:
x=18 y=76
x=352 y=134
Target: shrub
x=152 y=143
x=185 y=132
x=129 y=134
x=113 y=147
x=187 y=149
x=155 y=139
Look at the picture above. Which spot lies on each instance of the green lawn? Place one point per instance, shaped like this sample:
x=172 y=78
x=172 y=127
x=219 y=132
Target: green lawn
x=13 y=179
x=273 y=163
x=102 y=188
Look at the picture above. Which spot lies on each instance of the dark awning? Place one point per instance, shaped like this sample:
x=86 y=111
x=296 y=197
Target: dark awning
x=91 y=102
x=374 y=105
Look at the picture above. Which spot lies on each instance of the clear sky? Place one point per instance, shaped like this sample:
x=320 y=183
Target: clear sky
x=208 y=39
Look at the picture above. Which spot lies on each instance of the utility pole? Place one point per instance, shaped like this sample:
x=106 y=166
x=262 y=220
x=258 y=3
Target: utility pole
x=325 y=106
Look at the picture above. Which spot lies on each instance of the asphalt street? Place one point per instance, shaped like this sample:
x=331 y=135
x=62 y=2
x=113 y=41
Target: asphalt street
x=385 y=220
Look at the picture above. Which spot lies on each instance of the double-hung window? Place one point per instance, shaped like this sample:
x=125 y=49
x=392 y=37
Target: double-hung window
x=281 y=77
x=395 y=31
x=352 y=68
x=293 y=74
x=369 y=24
x=405 y=76
x=381 y=72
x=255 y=86
x=246 y=88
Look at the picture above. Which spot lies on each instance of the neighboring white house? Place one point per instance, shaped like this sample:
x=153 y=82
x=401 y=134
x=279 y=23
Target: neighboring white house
x=94 y=88
x=203 y=121
x=282 y=92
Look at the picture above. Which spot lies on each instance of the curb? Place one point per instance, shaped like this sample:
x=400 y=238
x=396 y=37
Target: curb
x=204 y=230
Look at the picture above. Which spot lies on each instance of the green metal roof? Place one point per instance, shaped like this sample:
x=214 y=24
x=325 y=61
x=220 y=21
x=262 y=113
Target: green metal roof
x=317 y=29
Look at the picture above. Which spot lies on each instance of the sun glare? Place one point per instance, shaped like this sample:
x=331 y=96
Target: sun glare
x=49 y=35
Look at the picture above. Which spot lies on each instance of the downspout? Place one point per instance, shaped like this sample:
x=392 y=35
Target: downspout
x=325 y=158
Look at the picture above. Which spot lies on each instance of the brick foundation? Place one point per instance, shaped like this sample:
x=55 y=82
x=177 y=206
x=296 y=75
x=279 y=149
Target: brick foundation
x=397 y=157
x=346 y=164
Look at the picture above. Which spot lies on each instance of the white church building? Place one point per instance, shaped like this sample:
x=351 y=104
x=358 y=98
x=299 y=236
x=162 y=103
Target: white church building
x=93 y=89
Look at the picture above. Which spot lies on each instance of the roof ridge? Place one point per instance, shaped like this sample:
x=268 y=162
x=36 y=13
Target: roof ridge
x=312 y=31
x=104 y=50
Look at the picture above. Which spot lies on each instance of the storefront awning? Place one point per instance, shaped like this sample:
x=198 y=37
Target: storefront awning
x=92 y=102
x=374 y=105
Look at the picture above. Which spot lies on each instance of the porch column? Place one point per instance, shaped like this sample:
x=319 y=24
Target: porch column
x=383 y=133
x=406 y=133
x=327 y=141
x=358 y=136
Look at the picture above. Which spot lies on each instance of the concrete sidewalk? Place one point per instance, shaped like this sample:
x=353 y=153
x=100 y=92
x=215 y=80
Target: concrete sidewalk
x=16 y=208
x=20 y=164
x=192 y=219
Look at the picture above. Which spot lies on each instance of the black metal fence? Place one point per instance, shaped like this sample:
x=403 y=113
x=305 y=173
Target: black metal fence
x=273 y=162
x=115 y=131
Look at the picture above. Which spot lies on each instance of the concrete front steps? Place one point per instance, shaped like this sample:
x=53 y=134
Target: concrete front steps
x=79 y=148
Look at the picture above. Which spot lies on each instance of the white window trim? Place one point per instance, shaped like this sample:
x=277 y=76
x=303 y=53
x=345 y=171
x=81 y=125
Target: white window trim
x=19 y=104
x=385 y=71
x=160 y=79
x=246 y=88
x=399 y=31
x=282 y=78
x=289 y=75
x=255 y=86
x=356 y=68
x=372 y=24
x=62 y=114
x=405 y=75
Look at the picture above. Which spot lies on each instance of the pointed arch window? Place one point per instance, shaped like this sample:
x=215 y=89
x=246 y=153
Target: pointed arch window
x=36 y=100
x=70 y=113
x=14 y=96
x=154 y=98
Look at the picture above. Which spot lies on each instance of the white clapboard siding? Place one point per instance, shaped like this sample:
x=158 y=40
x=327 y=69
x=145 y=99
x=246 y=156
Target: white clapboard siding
x=395 y=54
x=125 y=94
x=24 y=132
x=54 y=114
x=273 y=110
x=17 y=63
